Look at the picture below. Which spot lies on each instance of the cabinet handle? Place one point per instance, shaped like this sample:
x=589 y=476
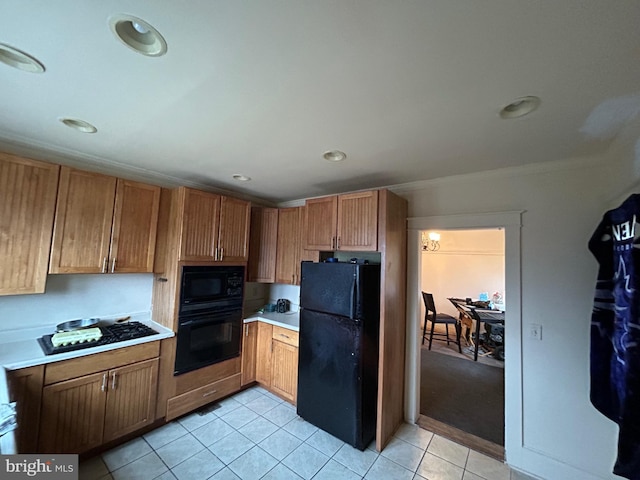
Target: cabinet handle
x=104 y=265
x=113 y=381
x=113 y=266
x=293 y=279
x=338 y=244
x=333 y=242
x=283 y=335
x=221 y=253
x=104 y=382
x=215 y=255
x=209 y=393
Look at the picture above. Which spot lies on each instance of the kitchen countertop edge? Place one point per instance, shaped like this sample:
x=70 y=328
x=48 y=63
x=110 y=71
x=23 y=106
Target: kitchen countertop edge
x=27 y=353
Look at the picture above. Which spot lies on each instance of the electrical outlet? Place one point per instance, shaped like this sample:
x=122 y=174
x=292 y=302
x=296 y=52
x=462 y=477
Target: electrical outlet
x=535 y=331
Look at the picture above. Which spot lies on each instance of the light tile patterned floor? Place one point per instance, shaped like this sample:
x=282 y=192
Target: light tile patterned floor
x=255 y=435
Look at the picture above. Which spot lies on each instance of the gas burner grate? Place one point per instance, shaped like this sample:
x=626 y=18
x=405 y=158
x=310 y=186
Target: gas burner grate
x=118 y=332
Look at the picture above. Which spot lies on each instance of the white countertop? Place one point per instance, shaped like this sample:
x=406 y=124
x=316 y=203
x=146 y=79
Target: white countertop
x=290 y=320
x=20 y=348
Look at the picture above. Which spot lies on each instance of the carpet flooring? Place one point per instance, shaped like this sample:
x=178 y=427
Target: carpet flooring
x=464 y=394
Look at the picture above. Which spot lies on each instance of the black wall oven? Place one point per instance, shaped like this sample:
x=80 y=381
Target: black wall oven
x=210 y=316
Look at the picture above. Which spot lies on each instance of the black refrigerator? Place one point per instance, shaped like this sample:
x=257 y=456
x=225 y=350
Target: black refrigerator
x=338 y=353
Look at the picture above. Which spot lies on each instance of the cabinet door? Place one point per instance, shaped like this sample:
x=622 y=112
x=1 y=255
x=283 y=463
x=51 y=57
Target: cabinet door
x=289 y=247
x=200 y=215
x=25 y=388
x=72 y=417
x=131 y=399
x=82 y=227
x=263 y=237
x=249 y=352
x=320 y=223
x=135 y=222
x=357 y=228
x=27 y=203
x=284 y=376
x=263 y=356
x=233 y=240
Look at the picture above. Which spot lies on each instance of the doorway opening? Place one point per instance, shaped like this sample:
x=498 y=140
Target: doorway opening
x=457 y=392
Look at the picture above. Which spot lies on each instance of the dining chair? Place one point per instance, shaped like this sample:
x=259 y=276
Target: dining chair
x=431 y=315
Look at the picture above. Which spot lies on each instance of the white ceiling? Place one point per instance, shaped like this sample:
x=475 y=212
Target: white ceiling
x=410 y=90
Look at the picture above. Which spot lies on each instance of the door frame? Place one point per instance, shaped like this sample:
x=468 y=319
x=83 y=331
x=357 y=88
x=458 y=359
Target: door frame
x=511 y=222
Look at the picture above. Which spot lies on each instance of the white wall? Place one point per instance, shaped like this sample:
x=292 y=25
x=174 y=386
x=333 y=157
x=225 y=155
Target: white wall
x=559 y=435
x=68 y=297
x=468 y=263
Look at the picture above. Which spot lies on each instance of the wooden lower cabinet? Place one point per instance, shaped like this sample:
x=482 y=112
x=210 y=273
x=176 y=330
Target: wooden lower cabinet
x=276 y=360
x=78 y=414
x=263 y=354
x=284 y=374
x=249 y=352
x=131 y=398
x=25 y=388
x=72 y=419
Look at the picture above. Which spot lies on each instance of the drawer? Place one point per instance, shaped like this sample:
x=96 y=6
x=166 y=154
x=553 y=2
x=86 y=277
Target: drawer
x=189 y=401
x=97 y=362
x=285 y=335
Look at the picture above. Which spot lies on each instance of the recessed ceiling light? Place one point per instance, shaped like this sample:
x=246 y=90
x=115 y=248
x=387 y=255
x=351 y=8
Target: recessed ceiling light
x=334 y=155
x=80 y=125
x=241 y=178
x=138 y=35
x=20 y=60
x=520 y=107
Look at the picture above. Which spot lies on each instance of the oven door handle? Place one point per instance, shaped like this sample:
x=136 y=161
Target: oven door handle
x=209 y=319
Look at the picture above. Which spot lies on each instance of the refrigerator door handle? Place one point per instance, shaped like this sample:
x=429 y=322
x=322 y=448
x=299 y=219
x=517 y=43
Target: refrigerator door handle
x=353 y=297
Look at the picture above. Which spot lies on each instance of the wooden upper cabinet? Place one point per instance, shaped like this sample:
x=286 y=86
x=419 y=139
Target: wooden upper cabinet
x=214 y=228
x=262 y=245
x=82 y=228
x=344 y=222
x=200 y=221
x=103 y=224
x=289 y=245
x=233 y=236
x=135 y=224
x=357 y=228
x=321 y=215
x=27 y=204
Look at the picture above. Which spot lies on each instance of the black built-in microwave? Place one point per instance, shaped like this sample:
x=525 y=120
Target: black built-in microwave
x=211 y=287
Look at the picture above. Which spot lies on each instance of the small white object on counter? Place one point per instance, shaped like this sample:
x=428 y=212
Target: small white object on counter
x=290 y=320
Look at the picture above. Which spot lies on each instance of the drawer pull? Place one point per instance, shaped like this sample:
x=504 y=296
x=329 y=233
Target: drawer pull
x=209 y=393
x=283 y=335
